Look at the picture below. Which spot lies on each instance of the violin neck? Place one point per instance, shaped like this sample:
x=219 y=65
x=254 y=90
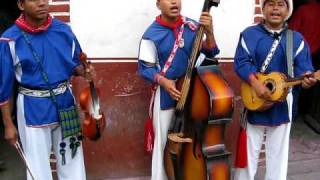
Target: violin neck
x=93 y=91
x=91 y=84
x=298 y=80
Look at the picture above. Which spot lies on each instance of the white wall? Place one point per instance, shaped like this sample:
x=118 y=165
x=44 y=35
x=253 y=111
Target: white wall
x=113 y=28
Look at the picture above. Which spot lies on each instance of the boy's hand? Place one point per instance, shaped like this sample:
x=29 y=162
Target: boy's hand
x=206 y=21
x=10 y=131
x=308 y=80
x=11 y=134
x=90 y=73
x=170 y=86
x=86 y=71
x=261 y=90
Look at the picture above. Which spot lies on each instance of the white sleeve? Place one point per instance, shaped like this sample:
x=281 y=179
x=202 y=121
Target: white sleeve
x=301 y=47
x=148 y=51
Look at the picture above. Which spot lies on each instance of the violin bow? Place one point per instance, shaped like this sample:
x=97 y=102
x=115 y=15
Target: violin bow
x=23 y=157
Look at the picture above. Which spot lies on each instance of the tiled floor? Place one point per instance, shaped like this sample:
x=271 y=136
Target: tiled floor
x=304 y=158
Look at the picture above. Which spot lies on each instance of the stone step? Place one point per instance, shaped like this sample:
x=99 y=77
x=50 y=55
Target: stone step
x=309 y=167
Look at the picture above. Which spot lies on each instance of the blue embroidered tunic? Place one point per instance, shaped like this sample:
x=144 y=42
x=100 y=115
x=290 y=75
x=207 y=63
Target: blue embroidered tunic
x=59 y=52
x=253 y=47
x=156 y=46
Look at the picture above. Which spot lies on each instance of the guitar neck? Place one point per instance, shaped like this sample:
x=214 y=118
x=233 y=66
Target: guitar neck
x=298 y=80
x=293 y=83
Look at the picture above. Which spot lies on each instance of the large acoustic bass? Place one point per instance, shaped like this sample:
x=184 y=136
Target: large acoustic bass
x=205 y=106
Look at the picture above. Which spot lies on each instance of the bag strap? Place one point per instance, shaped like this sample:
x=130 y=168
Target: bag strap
x=178 y=42
x=289 y=52
x=44 y=74
x=268 y=59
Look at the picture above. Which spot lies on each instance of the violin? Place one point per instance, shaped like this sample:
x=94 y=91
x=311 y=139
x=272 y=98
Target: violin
x=94 y=122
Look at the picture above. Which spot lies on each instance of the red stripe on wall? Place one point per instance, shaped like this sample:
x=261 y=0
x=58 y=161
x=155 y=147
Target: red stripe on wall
x=60 y=0
x=59 y=8
x=136 y=58
x=113 y=58
x=258 y=19
x=63 y=18
x=257 y=10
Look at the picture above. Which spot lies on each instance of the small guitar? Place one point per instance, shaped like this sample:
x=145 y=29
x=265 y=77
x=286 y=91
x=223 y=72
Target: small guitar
x=277 y=83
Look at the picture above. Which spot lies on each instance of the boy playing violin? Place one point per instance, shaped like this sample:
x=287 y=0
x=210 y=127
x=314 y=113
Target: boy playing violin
x=42 y=54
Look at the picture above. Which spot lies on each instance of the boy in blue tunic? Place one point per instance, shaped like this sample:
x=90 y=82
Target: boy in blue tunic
x=251 y=54
x=163 y=57
x=58 y=51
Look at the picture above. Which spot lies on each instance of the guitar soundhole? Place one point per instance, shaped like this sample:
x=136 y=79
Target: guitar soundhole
x=270 y=85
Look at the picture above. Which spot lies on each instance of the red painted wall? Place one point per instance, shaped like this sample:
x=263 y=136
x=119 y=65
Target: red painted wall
x=125 y=100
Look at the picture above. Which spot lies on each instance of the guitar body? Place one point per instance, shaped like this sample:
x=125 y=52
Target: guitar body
x=274 y=81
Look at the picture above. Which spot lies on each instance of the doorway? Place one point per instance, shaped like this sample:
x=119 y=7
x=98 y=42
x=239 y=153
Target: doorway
x=8 y=13
x=305 y=20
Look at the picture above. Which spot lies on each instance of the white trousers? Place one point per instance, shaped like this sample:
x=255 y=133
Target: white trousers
x=161 y=123
x=276 y=149
x=37 y=144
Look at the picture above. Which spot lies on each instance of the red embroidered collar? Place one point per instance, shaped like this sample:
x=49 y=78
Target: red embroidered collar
x=173 y=26
x=24 y=25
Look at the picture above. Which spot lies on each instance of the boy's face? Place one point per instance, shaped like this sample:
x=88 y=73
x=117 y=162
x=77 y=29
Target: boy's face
x=34 y=9
x=275 y=12
x=170 y=9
